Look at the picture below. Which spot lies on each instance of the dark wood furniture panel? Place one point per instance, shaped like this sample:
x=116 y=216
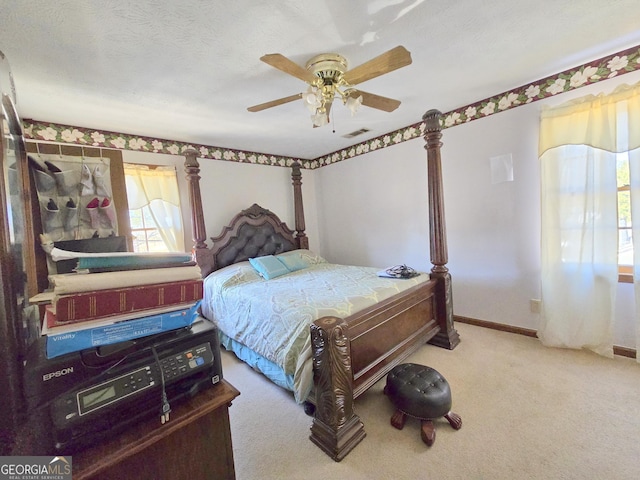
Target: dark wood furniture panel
x=16 y=261
x=194 y=445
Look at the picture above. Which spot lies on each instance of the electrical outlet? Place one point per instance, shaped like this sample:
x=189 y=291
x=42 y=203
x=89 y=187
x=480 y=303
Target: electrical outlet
x=534 y=305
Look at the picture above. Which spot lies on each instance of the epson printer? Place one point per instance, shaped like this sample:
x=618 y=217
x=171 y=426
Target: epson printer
x=103 y=390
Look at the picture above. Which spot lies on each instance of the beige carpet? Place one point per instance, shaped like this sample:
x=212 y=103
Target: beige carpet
x=528 y=412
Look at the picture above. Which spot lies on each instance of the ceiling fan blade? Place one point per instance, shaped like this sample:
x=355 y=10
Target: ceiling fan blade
x=377 y=101
x=387 y=62
x=282 y=63
x=275 y=103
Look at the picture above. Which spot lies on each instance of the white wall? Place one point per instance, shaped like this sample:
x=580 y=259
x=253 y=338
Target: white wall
x=372 y=210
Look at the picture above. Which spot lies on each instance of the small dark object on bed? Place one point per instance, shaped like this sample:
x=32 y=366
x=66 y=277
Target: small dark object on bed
x=401 y=271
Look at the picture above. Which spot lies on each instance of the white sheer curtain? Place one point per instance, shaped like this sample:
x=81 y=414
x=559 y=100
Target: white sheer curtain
x=634 y=183
x=579 y=143
x=157 y=188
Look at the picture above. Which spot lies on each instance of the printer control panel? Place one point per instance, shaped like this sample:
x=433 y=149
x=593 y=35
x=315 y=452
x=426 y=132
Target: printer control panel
x=177 y=365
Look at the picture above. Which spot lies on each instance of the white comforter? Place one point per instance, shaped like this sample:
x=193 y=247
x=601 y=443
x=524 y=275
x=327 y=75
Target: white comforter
x=272 y=317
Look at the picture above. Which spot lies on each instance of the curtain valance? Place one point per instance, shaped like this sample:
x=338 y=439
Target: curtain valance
x=592 y=121
x=146 y=184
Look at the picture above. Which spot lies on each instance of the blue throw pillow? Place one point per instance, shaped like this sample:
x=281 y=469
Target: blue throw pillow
x=268 y=266
x=293 y=261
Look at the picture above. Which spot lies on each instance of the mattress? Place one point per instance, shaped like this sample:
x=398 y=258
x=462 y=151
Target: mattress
x=271 y=317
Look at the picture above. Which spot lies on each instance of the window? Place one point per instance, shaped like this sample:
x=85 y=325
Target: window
x=625 y=235
x=589 y=151
x=146 y=235
x=154 y=208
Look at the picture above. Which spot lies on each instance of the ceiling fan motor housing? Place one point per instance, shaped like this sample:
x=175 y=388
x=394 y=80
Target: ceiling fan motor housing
x=328 y=66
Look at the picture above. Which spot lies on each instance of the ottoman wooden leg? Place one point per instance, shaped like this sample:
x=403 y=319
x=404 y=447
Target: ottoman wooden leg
x=428 y=432
x=454 y=420
x=398 y=419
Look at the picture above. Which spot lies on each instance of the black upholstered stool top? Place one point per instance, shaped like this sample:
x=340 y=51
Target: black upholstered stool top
x=420 y=391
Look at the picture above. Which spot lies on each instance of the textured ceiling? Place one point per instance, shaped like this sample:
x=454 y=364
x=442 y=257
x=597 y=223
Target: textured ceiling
x=188 y=70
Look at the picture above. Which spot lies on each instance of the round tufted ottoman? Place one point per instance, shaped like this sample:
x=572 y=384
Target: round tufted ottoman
x=420 y=392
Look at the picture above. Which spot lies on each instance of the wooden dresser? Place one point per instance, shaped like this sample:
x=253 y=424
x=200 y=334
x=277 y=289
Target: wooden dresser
x=194 y=445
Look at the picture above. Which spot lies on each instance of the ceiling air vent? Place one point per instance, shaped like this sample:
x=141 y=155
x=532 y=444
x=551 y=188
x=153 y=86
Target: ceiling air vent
x=356 y=133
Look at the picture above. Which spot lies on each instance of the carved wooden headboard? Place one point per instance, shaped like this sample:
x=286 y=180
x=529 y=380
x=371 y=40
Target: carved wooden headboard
x=254 y=232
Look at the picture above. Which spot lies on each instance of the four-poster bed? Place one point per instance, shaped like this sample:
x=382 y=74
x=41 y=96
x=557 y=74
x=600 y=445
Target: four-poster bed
x=349 y=354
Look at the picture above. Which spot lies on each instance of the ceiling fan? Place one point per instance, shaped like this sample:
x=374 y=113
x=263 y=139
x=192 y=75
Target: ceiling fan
x=328 y=77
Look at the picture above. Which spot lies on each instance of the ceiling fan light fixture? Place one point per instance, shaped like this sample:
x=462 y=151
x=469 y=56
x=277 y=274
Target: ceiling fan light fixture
x=311 y=98
x=319 y=119
x=353 y=103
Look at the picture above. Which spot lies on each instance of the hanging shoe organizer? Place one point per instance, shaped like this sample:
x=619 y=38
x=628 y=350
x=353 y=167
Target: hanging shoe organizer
x=75 y=196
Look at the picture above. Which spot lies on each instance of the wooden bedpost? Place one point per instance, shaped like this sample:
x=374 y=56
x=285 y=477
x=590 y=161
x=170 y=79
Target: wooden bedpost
x=296 y=177
x=198 y=230
x=448 y=336
x=336 y=429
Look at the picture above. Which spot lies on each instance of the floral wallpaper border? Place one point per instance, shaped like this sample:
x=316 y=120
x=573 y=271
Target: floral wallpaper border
x=602 y=69
x=52 y=132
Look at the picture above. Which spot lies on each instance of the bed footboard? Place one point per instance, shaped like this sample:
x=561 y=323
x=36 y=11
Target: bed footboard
x=351 y=354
